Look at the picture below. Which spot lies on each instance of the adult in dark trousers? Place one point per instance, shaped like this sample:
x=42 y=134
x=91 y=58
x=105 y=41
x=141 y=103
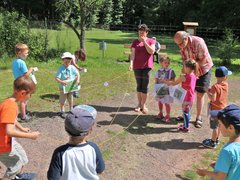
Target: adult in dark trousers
x=193 y=47
x=141 y=62
x=157 y=49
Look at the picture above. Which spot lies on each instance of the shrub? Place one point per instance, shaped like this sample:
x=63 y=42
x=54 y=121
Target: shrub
x=226 y=47
x=14 y=29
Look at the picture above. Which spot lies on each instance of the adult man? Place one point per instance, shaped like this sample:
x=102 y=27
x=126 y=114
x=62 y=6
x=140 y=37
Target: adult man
x=195 y=48
x=157 y=49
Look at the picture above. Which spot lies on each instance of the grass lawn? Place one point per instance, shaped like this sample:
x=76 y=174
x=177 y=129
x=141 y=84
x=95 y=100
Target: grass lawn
x=100 y=70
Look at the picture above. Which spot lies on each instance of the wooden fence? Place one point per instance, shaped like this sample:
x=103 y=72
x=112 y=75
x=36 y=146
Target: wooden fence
x=204 y=32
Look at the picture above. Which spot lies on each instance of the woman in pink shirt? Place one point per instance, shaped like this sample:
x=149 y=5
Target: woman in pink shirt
x=188 y=81
x=141 y=62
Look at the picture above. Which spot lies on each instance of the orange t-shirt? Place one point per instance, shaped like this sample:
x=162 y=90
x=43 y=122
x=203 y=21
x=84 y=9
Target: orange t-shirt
x=8 y=115
x=221 y=91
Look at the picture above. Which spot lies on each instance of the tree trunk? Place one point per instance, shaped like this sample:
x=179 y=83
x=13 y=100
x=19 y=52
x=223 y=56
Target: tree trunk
x=82 y=23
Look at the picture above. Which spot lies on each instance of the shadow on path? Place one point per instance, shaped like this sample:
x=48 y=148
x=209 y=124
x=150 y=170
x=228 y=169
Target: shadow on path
x=111 y=109
x=45 y=114
x=175 y=144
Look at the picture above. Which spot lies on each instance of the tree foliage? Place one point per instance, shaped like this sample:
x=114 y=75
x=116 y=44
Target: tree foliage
x=210 y=13
x=227 y=47
x=14 y=29
x=78 y=15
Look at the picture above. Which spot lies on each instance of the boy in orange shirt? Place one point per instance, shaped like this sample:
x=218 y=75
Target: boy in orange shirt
x=218 y=101
x=12 y=155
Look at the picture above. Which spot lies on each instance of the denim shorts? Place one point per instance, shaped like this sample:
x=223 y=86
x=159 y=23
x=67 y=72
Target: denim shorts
x=213 y=123
x=203 y=82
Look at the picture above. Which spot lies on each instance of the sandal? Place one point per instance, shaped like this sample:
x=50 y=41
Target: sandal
x=137 y=109
x=198 y=123
x=144 y=110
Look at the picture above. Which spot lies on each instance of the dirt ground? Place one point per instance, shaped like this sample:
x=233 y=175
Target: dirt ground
x=148 y=149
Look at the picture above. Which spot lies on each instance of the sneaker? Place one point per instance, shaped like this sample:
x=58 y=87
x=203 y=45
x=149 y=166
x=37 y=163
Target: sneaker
x=160 y=116
x=63 y=115
x=209 y=143
x=26 y=176
x=166 y=118
x=76 y=94
x=217 y=141
x=27 y=118
x=183 y=129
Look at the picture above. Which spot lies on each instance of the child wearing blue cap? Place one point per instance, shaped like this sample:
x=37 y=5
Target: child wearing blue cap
x=228 y=163
x=79 y=158
x=217 y=94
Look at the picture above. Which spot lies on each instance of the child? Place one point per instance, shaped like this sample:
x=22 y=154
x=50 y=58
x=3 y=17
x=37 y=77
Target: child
x=188 y=81
x=79 y=158
x=19 y=68
x=218 y=96
x=64 y=73
x=12 y=155
x=78 y=55
x=167 y=74
x=228 y=163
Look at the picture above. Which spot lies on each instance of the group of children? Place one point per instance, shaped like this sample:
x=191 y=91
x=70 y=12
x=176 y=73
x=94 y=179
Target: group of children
x=81 y=159
x=217 y=94
x=227 y=117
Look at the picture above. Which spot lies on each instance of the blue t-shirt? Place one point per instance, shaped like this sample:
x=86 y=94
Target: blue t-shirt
x=81 y=161
x=19 y=68
x=66 y=73
x=229 y=161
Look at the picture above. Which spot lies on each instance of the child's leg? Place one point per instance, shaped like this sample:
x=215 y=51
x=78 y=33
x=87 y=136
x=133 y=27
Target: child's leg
x=215 y=134
x=160 y=107
x=168 y=109
x=186 y=115
x=62 y=99
x=14 y=161
x=23 y=109
x=70 y=100
x=214 y=127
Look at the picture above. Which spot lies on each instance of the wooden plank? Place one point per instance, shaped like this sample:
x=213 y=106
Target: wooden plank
x=127 y=52
x=128 y=46
x=163 y=47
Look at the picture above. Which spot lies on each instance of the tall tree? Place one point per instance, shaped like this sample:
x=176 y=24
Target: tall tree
x=78 y=13
x=105 y=13
x=117 y=11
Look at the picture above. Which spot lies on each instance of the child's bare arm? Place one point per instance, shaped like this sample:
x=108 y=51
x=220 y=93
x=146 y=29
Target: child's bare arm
x=60 y=81
x=30 y=70
x=211 y=95
x=210 y=174
x=19 y=126
x=11 y=131
x=173 y=83
x=78 y=77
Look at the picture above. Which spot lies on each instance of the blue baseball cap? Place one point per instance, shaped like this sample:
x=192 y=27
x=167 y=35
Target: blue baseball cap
x=230 y=113
x=222 y=71
x=80 y=120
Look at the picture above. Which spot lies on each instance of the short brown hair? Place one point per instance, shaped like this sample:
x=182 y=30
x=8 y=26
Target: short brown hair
x=143 y=27
x=20 y=47
x=24 y=83
x=165 y=58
